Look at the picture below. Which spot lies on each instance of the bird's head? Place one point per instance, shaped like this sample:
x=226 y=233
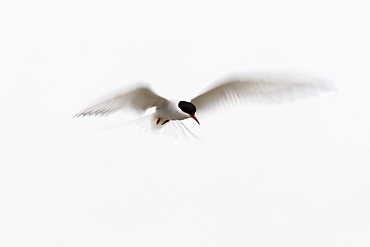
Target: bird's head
x=188 y=108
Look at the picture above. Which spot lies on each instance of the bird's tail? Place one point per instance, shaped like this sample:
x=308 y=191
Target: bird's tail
x=173 y=128
x=148 y=124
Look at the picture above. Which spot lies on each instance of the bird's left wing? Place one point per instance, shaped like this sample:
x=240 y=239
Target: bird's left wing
x=139 y=100
x=258 y=89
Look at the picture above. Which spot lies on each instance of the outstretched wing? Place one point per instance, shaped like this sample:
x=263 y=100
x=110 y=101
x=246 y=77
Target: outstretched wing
x=139 y=99
x=263 y=89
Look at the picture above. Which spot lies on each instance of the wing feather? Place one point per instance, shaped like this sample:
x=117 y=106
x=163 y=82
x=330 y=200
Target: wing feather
x=262 y=89
x=139 y=99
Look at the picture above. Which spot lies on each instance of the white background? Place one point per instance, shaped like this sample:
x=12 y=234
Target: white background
x=285 y=175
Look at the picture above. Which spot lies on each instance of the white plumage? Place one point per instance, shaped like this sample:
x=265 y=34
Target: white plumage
x=219 y=96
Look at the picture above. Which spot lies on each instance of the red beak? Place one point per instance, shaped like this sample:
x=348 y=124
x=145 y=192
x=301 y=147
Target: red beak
x=195 y=118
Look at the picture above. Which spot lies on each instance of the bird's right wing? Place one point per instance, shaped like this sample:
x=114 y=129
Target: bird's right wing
x=258 y=89
x=139 y=100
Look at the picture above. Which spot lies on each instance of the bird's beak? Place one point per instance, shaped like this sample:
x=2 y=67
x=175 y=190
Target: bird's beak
x=195 y=118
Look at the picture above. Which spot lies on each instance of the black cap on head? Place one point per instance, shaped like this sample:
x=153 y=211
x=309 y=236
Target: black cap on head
x=187 y=107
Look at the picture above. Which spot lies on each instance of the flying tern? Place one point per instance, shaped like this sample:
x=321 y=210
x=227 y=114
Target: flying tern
x=220 y=95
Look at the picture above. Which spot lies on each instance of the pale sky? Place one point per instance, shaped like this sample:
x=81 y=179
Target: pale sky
x=293 y=174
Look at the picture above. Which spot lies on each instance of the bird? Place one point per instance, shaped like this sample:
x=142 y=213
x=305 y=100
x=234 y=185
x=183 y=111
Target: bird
x=218 y=96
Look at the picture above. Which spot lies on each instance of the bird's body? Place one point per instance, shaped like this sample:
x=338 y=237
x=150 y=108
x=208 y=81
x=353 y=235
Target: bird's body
x=169 y=110
x=260 y=89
